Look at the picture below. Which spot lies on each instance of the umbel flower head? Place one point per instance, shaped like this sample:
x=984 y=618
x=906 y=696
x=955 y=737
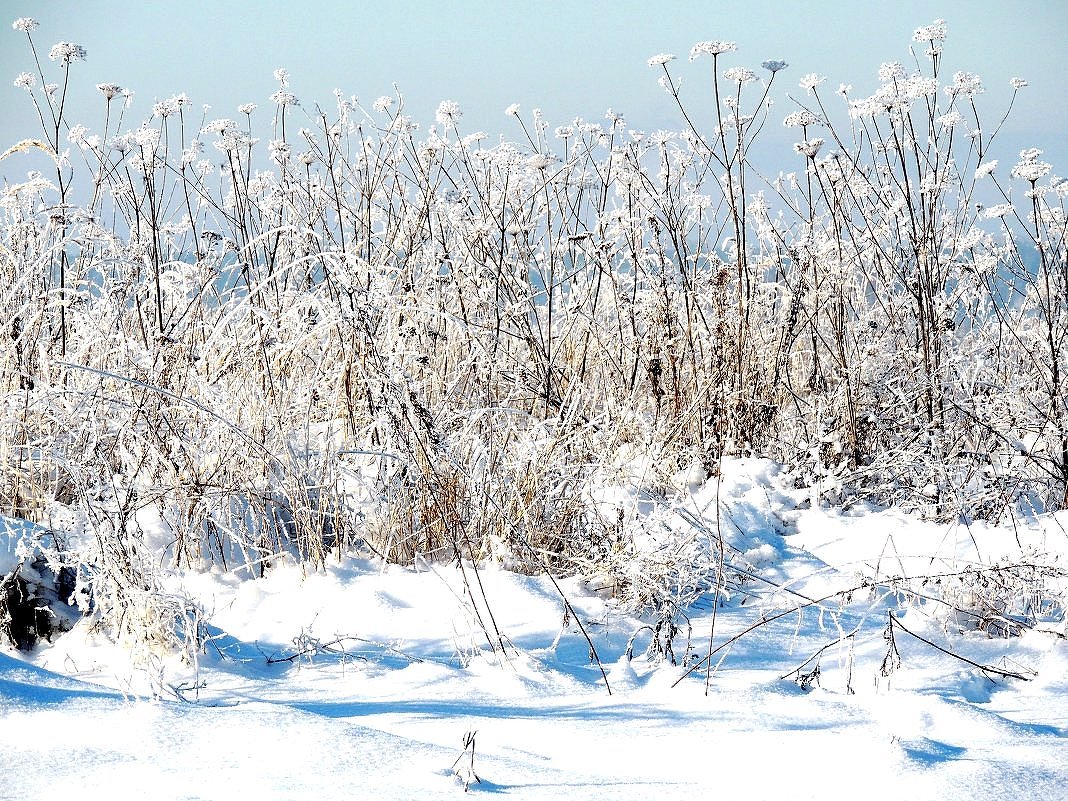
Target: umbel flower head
x=108 y=90
x=661 y=59
x=774 y=66
x=740 y=74
x=801 y=118
x=809 y=147
x=284 y=98
x=712 y=48
x=811 y=81
x=25 y=24
x=1030 y=168
x=448 y=112
x=935 y=32
x=66 y=52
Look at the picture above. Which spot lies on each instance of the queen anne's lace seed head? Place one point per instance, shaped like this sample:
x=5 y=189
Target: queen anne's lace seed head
x=66 y=52
x=279 y=151
x=811 y=81
x=935 y=32
x=800 y=119
x=512 y=110
x=382 y=104
x=448 y=112
x=25 y=24
x=1000 y=210
x=109 y=90
x=1018 y=83
x=1030 y=168
x=712 y=48
x=809 y=147
x=660 y=59
x=246 y=108
x=77 y=135
x=539 y=161
x=950 y=119
x=172 y=105
x=985 y=169
x=284 y=98
x=25 y=81
x=774 y=66
x=121 y=143
x=918 y=87
x=891 y=71
x=740 y=74
x=965 y=83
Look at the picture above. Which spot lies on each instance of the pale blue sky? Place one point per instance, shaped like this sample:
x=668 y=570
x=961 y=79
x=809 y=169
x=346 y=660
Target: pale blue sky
x=570 y=59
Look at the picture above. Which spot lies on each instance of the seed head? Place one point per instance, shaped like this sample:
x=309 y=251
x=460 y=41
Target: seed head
x=811 y=81
x=108 y=90
x=66 y=52
x=740 y=74
x=448 y=112
x=935 y=32
x=712 y=48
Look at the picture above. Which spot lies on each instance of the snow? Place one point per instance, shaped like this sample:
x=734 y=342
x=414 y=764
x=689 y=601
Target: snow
x=364 y=680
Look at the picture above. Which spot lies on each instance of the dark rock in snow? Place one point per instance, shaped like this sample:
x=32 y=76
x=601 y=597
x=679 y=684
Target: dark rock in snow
x=35 y=603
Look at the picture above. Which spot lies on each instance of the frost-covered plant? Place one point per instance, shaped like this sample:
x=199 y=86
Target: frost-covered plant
x=298 y=332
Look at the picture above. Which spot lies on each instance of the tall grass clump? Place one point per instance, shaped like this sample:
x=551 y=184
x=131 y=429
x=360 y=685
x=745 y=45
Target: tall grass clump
x=304 y=330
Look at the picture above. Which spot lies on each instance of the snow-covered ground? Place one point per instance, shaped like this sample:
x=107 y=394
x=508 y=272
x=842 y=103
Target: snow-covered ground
x=364 y=680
